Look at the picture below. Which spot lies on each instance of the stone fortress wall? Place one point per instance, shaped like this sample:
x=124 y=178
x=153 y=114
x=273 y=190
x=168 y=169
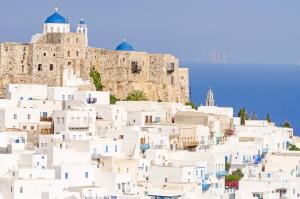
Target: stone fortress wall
x=50 y=58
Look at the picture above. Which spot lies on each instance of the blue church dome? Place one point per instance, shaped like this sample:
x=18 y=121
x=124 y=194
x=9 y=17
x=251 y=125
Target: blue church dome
x=82 y=21
x=125 y=46
x=56 y=18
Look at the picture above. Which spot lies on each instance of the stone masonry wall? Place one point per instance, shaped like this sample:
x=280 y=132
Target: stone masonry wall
x=43 y=62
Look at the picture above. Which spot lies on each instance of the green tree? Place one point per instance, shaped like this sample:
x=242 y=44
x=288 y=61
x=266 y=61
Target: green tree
x=268 y=118
x=235 y=175
x=95 y=75
x=192 y=104
x=286 y=124
x=113 y=99
x=243 y=115
x=227 y=166
x=293 y=147
x=137 y=95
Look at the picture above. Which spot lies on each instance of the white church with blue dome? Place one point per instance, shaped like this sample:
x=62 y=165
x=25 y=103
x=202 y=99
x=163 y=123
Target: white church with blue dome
x=57 y=23
x=59 y=57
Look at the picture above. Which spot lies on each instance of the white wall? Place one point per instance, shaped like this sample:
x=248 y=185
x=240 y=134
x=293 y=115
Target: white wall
x=26 y=91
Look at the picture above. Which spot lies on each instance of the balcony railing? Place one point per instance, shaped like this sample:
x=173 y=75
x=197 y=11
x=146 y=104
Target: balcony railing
x=91 y=100
x=193 y=143
x=265 y=150
x=78 y=128
x=144 y=146
x=221 y=173
x=95 y=156
x=45 y=119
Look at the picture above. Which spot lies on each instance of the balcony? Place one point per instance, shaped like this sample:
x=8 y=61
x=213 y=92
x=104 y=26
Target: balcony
x=144 y=146
x=78 y=126
x=91 y=100
x=205 y=186
x=45 y=119
x=192 y=143
x=220 y=174
x=265 y=150
x=95 y=156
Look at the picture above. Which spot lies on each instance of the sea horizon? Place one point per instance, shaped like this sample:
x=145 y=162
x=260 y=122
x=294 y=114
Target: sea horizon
x=260 y=88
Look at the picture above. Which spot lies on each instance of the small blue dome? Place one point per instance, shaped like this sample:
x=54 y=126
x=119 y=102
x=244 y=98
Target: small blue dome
x=56 y=18
x=81 y=21
x=125 y=46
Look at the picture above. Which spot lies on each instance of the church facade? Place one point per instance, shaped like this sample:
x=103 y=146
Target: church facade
x=59 y=57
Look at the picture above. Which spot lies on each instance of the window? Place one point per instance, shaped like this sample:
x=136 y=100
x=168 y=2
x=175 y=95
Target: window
x=28 y=116
x=135 y=67
x=21 y=189
x=86 y=174
x=24 y=127
x=106 y=149
x=62 y=120
x=51 y=67
x=77 y=53
x=32 y=127
x=15 y=116
x=66 y=175
x=57 y=120
x=45 y=54
x=77 y=40
x=40 y=67
x=68 y=53
x=166 y=179
x=116 y=148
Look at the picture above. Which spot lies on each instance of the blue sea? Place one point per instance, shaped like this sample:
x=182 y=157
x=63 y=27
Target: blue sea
x=262 y=89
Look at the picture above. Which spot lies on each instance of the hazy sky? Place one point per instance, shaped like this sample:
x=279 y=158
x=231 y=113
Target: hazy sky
x=263 y=31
